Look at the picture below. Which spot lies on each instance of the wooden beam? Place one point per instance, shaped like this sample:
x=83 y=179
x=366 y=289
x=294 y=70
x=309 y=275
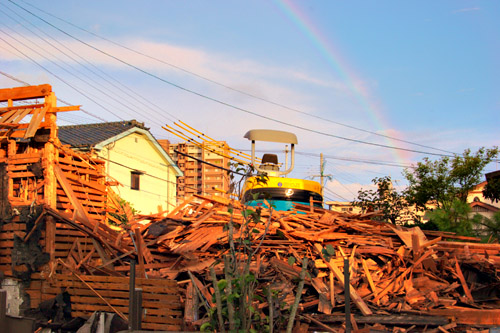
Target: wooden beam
x=50 y=236
x=36 y=119
x=79 y=212
x=369 y=277
x=475 y=317
x=461 y=277
x=389 y=319
x=365 y=310
x=28 y=92
x=17 y=107
x=66 y=108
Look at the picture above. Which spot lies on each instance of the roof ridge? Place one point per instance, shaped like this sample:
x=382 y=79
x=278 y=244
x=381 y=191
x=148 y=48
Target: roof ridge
x=125 y=122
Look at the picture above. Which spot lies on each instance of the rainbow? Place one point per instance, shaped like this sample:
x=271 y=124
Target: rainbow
x=333 y=56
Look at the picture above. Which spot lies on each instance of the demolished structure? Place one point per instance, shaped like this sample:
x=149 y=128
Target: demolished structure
x=56 y=239
x=55 y=213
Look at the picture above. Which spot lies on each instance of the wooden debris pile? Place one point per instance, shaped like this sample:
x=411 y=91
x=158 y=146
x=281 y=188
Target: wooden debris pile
x=393 y=270
x=55 y=209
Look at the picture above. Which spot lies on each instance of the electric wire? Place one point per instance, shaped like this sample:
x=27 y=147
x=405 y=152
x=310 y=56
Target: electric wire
x=237 y=90
x=103 y=76
x=335 y=194
x=69 y=72
x=222 y=102
x=59 y=100
x=59 y=78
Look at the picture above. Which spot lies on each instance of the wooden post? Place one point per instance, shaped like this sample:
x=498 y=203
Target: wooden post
x=50 y=237
x=140 y=255
x=131 y=293
x=347 y=290
x=136 y=316
x=50 y=157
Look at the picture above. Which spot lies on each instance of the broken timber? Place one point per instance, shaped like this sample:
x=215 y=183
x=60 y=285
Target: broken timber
x=55 y=202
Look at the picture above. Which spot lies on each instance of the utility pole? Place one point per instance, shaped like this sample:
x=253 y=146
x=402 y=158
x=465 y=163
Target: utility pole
x=321 y=169
x=322 y=175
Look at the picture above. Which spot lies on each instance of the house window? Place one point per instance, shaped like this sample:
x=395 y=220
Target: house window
x=135 y=180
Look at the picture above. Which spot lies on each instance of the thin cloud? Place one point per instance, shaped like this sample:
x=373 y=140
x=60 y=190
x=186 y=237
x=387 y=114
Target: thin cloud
x=465 y=10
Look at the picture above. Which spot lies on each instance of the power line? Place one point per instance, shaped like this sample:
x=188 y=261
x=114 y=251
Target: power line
x=222 y=102
x=60 y=100
x=335 y=194
x=234 y=89
x=66 y=70
x=358 y=160
x=109 y=95
x=58 y=77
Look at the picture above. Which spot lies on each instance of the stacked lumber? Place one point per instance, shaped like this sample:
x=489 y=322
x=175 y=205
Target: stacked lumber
x=160 y=297
x=16 y=227
x=393 y=270
x=83 y=256
x=80 y=179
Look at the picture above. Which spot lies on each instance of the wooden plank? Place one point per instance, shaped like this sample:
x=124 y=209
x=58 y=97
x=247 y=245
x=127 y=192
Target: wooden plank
x=369 y=277
x=167 y=307
x=79 y=211
x=20 y=114
x=160 y=288
x=391 y=319
x=463 y=282
x=66 y=108
x=17 y=107
x=36 y=119
x=172 y=299
x=50 y=236
x=29 y=92
x=365 y=310
x=26 y=174
x=7 y=116
x=153 y=313
x=324 y=305
x=475 y=317
x=92 y=184
x=399 y=278
x=160 y=327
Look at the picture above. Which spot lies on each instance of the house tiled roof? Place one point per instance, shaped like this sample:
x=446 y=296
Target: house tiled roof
x=89 y=135
x=484 y=205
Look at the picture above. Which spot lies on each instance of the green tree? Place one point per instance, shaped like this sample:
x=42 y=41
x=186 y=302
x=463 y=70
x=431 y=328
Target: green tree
x=456 y=217
x=492 y=189
x=392 y=204
x=491 y=227
x=449 y=178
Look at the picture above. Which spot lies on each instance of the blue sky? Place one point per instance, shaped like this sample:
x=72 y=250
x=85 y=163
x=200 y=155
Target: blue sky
x=423 y=72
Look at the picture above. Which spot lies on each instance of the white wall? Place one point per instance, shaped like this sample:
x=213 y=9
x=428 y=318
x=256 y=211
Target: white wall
x=157 y=184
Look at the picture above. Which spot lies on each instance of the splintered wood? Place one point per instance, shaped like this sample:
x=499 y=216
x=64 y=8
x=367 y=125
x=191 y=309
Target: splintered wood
x=393 y=270
x=58 y=220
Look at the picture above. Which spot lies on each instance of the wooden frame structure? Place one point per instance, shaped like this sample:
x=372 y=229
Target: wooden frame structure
x=55 y=206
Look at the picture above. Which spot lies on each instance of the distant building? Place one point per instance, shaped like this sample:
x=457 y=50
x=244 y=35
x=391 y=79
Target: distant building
x=140 y=169
x=481 y=205
x=202 y=166
x=343 y=207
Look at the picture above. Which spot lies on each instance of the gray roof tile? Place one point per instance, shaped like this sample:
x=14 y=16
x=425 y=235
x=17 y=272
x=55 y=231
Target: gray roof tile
x=89 y=135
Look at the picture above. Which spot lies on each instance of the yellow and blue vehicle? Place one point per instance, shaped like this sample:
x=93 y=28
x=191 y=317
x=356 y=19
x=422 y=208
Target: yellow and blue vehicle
x=271 y=184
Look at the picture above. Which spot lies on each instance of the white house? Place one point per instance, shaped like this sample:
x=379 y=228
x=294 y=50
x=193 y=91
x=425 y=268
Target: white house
x=140 y=170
